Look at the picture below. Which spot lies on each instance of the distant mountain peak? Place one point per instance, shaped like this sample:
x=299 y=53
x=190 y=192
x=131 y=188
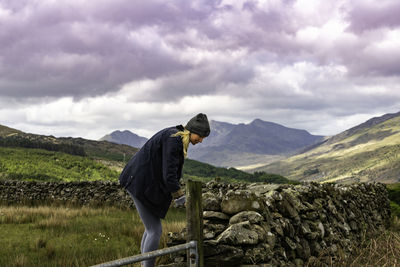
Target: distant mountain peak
x=228 y=143
x=125 y=137
x=257 y=121
x=124 y=132
x=261 y=123
x=215 y=123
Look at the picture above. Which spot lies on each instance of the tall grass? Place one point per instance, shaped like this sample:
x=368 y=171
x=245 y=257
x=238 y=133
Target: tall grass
x=61 y=236
x=383 y=250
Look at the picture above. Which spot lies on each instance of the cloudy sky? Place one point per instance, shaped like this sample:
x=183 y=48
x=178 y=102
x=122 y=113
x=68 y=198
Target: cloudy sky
x=86 y=68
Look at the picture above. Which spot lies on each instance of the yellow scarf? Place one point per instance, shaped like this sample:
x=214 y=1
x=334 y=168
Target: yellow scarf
x=185 y=135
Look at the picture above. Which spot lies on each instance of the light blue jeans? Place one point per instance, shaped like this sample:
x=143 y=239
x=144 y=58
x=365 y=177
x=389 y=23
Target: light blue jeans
x=153 y=230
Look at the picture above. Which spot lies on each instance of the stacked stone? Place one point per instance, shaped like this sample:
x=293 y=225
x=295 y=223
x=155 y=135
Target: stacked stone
x=272 y=225
x=96 y=193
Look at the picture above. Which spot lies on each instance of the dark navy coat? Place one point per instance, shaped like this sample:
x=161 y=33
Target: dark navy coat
x=153 y=173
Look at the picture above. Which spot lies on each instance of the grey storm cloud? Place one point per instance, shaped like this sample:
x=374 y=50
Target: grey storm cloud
x=68 y=49
x=367 y=16
x=204 y=80
x=86 y=68
x=90 y=48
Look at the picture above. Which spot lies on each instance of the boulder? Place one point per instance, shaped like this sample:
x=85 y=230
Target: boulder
x=221 y=255
x=212 y=229
x=211 y=202
x=215 y=215
x=271 y=239
x=242 y=233
x=262 y=189
x=259 y=253
x=251 y=216
x=241 y=200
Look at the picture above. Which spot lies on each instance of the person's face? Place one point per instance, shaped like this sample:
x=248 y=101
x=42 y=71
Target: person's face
x=195 y=138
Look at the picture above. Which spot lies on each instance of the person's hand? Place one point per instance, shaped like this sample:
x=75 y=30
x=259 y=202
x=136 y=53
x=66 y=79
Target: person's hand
x=180 y=202
x=177 y=194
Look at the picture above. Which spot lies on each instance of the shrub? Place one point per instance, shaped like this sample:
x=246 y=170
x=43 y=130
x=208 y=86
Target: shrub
x=311 y=172
x=394 y=193
x=395 y=209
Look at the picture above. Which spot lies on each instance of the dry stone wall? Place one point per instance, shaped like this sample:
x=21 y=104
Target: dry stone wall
x=97 y=193
x=302 y=225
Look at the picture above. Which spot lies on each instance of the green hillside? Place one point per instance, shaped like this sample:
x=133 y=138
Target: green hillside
x=42 y=165
x=369 y=152
x=75 y=146
x=204 y=171
x=46 y=158
x=32 y=157
x=7 y=131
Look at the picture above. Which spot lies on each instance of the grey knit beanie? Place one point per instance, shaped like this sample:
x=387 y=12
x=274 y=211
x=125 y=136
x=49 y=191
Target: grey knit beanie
x=199 y=125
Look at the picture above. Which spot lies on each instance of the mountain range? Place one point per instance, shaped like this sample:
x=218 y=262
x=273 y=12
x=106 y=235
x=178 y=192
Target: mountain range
x=367 y=152
x=237 y=145
x=33 y=157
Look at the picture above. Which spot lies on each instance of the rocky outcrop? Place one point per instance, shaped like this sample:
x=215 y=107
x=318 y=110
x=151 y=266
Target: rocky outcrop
x=96 y=193
x=271 y=225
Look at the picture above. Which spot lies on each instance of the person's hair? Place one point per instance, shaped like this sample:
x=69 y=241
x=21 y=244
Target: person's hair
x=185 y=135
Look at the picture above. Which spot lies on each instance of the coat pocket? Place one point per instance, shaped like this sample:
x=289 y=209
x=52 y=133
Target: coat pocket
x=155 y=195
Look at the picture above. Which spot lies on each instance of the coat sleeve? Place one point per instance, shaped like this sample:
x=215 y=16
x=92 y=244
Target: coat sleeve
x=172 y=150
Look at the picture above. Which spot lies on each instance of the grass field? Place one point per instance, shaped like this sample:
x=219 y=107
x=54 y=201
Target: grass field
x=62 y=236
x=71 y=236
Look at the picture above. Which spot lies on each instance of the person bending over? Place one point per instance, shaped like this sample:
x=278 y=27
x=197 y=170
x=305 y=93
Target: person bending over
x=152 y=176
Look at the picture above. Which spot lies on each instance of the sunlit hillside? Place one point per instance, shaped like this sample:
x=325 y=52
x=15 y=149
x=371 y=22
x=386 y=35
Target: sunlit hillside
x=369 y=152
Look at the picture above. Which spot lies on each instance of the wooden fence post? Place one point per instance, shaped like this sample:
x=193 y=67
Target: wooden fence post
x=194 y=217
